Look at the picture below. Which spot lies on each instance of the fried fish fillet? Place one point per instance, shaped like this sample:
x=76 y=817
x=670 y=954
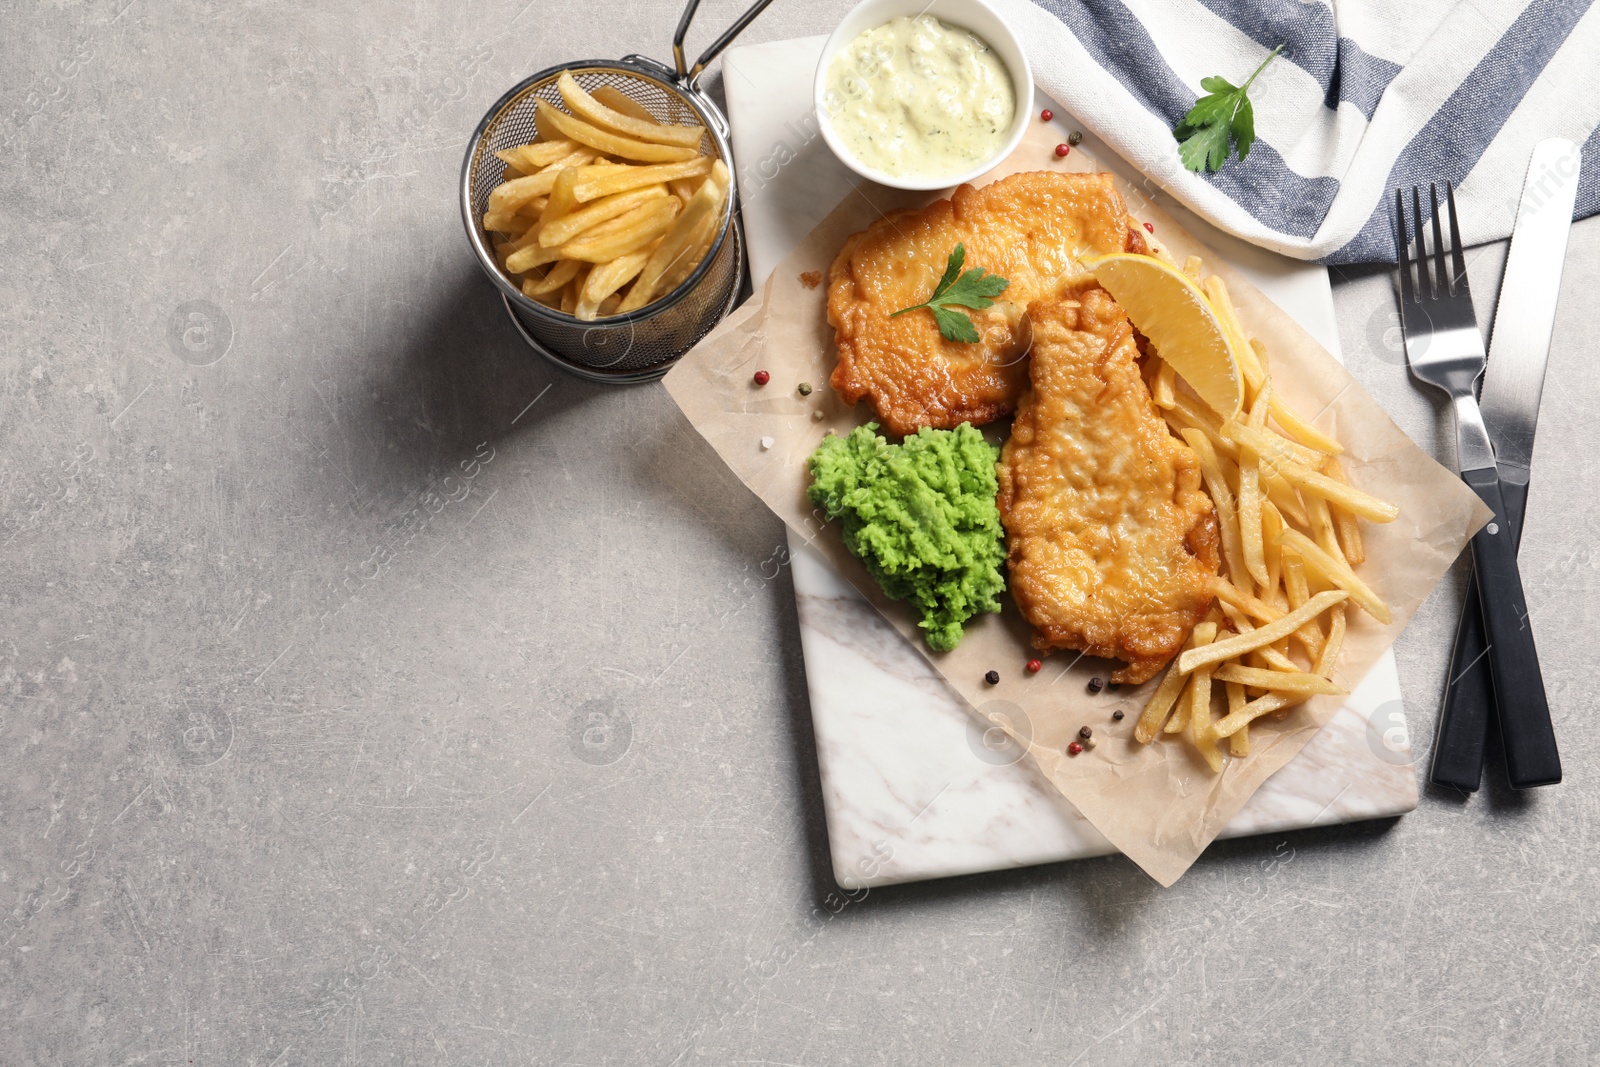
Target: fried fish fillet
x=1031 y=228
x=1112 y=539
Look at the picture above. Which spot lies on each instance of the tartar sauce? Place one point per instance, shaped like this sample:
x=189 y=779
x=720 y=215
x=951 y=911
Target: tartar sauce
x=917 y=98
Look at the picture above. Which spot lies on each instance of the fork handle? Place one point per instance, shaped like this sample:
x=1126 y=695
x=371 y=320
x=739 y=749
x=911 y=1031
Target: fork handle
x=1525 y=728
x=1468 y=695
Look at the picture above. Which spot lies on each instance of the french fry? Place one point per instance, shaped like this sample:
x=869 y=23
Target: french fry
x=1270 y=656
x=1248 y=603
x=1299 y=591
x=1336 y=573
x=506 y=222
x=1221 y=498
x=687 y=240
x=1262 y=636
x=1222 y=303
x=1250 y=497
x=1239 y=741
x=563 y=198
x=604 y=280
x=617 y=100
x=1271 y=526
x=586 y=107
x=1162 y=391
x=721 y=175
x=570 y=225
x=1345 y=524
x=1236 y=721
x=1335 y=643
x=1277 y=681
x=1192 y=267
x=531 y=157
x=558 y=276
x=625 y=233
x=1179 y=723
x=1159 y=706
x=512 y=195
x=612 y=144
x=596 y=182
x=531 y=254
x=1283 y=496
x=1322 y=530
x=1200 y=731
x=1346 y=496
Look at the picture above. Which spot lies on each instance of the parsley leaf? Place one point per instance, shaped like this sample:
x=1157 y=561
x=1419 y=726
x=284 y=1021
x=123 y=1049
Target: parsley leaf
x=1218 y=121
x=970 y=290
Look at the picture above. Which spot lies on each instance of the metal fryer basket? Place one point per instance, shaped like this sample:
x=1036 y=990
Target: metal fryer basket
x=641 y=345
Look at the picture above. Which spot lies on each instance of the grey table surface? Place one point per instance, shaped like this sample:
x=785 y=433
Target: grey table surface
x=314 y=579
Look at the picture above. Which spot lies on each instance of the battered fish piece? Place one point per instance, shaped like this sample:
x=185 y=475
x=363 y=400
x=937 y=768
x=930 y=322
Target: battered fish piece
x=1031 y=228
x=1112 y=538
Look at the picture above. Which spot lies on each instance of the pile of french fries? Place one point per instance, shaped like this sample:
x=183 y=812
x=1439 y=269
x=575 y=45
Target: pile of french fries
x=608 y=209
x=1291 y=543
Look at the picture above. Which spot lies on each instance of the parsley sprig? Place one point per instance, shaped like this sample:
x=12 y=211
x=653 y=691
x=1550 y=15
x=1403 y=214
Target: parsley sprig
x=1223 y=116
x=970 y=290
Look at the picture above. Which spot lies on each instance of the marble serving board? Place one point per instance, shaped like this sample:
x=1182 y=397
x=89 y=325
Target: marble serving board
x=912 y=786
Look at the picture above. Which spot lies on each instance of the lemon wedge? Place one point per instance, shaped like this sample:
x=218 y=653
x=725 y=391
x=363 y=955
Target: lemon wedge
x=1169 y=309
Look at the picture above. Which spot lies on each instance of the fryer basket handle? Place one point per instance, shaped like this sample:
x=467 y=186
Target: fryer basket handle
x=691 y=75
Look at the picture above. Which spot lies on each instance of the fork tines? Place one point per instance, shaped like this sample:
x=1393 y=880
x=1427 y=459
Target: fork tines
x=1444 y=282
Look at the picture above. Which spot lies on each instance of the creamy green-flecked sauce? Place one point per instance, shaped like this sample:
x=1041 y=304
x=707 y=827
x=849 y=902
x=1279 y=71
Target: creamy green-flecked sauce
x=916 y=98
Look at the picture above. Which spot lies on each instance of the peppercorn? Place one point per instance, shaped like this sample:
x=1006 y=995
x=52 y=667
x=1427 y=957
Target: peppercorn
x=1046 y=115
x=1085 y=732
x=1074 y=748
x=805 y=388
x=1095 y=685
x=762 y=377
x=1089 y=743
x=1117 y=715
x=1075 y=138
x=1113 y=687
x=1150 y=226
x=993 y=677
x=1034 y=666
x=1062 y=150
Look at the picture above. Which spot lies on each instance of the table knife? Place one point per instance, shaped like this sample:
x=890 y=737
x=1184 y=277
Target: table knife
x=1512 y=384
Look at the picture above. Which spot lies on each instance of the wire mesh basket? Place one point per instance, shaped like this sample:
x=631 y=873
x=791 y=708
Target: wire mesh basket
x=639 y=345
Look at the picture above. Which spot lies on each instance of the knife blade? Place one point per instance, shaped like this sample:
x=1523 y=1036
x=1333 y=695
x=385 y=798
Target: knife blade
x=1513 y=383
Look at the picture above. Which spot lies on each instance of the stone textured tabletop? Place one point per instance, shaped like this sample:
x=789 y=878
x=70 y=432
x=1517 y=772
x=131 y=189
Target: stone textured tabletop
x=315 y=582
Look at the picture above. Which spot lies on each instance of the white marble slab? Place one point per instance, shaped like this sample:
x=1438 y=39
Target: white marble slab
x=910 y=788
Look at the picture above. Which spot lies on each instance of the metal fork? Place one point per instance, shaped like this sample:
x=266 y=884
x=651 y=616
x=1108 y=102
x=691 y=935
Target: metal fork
x=1445 y=350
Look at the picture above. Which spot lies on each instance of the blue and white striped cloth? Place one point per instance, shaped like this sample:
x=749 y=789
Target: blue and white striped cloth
x=1367 y=95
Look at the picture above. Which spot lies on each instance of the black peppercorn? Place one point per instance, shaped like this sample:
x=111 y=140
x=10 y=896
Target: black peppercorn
x=993 y=677
x=1095 y=685
x=1117 y=715
x=1085 y=732
x=1075 y=138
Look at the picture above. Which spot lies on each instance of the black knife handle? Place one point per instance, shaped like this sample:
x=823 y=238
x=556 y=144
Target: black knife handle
x=1469 y=688
x=1525 y=728
x=1468 y=695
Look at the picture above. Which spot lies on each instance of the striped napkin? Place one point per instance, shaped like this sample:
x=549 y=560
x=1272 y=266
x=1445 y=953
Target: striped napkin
x=1366 y=96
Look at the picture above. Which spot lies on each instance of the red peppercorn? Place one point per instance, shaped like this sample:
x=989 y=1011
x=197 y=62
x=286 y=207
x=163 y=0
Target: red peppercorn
x=1034 y=666
x=1046 y=115
x=1150 y=226
x=762 y=377
x=1062 y=150
x=1074 y=748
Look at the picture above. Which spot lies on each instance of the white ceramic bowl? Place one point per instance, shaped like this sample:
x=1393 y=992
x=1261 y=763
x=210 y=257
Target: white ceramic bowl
x=965 y=14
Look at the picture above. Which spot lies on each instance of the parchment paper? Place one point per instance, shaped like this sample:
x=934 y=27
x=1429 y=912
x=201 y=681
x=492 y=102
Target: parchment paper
x=1158 y=803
